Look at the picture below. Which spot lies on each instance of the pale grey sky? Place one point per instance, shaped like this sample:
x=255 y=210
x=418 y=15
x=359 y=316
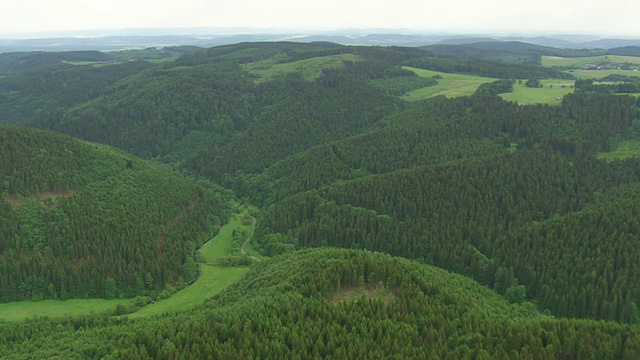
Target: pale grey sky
x=606 y=17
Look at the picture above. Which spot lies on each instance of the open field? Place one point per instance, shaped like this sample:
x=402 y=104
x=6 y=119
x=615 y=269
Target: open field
x=20 y=310
x=551 y=92
x=163 y=60
x=581 y=61
x=599 y=74
x=625 y=149
x=454 y=85
x=310 y=69
x=212 y=280
x=450 y=85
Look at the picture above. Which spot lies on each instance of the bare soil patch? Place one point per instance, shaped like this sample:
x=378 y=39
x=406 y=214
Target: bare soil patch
x=16 y=201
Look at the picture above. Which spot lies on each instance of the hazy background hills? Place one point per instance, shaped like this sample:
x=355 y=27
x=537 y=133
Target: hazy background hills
x=206 y=38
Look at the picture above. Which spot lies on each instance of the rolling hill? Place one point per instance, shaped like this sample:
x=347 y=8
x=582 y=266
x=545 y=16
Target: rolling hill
x=523 y=201
x=337 y=304
x=85 y=220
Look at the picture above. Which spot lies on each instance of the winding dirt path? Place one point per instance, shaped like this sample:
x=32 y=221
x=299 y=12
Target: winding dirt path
x=249 y=239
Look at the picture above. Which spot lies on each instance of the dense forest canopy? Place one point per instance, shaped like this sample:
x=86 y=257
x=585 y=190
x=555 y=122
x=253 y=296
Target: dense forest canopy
x=338 y=304
x=534 y=206
x=84 y=220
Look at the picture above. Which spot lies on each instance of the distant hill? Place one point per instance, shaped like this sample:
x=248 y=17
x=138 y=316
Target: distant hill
x=39 y=97
x=509 y=51
x=17 y=62
x=85 y=220
x=546 y=41
x=626 y=50
x=201 y=38
x=611 y=43
x=466 y=40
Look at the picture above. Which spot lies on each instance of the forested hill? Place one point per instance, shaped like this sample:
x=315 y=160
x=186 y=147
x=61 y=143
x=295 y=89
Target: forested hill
x=85 y=220
x=517 y=52
x=474 y=185
x=40 y=97
x=339 y=304
x=530 y=200
x=228 y=103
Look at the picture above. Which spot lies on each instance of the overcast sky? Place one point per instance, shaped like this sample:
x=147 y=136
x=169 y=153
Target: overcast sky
x=606 y=17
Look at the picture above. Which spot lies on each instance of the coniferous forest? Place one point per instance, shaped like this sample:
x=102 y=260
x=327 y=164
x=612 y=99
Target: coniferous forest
x=445 y=227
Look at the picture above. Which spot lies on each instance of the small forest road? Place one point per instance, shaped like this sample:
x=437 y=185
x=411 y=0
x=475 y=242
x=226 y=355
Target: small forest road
x=249 y=239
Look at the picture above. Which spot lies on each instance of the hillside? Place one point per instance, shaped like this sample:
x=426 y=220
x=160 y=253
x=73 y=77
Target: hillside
x=409 y=152
x=456 y=183
x=225 y=106
x=337 y=304
x=39 y=97
x=85 y=220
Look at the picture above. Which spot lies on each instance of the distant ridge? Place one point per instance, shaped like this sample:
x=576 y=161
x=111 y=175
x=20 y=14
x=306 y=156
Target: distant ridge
x=143 y=39
x=466 y=40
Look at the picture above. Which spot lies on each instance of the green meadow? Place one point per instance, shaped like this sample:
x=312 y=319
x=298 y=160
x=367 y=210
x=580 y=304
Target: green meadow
x=551 y=92
x=212 y=280
x=599 y=74
x=581 y=61
x=163 y=60
x=455 y=85
x=450 y=85
x=266 y=70
x=20 y=310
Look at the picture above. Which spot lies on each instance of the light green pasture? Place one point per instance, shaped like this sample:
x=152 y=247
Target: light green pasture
x=20 y=310
x=581 y=61
x=266 y=70
x=599 y=74
x=450 y=85
x=212 y=280
x=163 y=60
x=551 y=92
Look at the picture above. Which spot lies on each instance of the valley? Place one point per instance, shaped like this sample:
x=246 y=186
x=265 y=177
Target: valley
x=301 y=200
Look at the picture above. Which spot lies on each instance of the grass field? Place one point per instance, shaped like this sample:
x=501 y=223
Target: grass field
x=599 y=74
x=310 y=69
x=551 y=92
x=581 y=61
x=450 y=85
x=212 y=280
x=163 y=60
x=16 y=311
x=454 y=85
x=625 y=149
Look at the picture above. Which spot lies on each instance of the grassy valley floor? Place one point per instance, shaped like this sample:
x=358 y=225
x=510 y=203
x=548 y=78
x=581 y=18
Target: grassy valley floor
x=212 y=280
